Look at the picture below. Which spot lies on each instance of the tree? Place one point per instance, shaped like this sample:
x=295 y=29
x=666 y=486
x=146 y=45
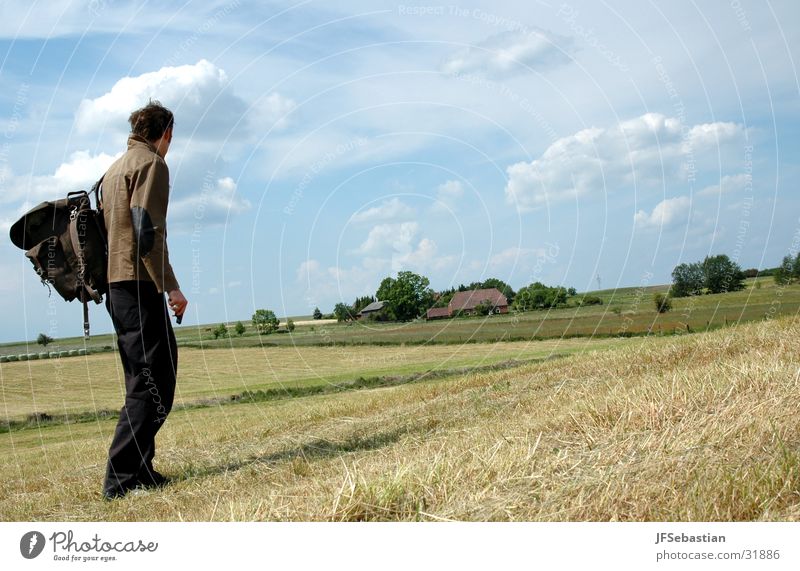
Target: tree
x=663 y=302
x=796 y=267
x=264 y=321
x=408 y=296
x=240 y=328
x=539 y=296
x=317 y=313
x=220 y=331
x=290 y=325
x=343 y=312
x=43 y=339
x=687 y=279
x=502 y=286
x=722 y=274
x=783 y=274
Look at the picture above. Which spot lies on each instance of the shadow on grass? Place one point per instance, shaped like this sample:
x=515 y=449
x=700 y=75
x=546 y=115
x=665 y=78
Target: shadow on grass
x=317 y=449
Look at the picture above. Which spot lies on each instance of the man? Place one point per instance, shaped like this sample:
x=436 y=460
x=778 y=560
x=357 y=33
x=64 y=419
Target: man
x=135 y=196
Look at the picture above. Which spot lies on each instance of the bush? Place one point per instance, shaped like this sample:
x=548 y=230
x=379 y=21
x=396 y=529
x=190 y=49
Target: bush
x=290 y=325
x=484 y=308
x=662 y=302
x=44 y=339
x=589 y=300
x=240 y=328
x=220 y=331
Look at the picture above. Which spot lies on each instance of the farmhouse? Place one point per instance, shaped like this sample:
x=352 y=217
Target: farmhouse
x=372 y=309
x=467 y=303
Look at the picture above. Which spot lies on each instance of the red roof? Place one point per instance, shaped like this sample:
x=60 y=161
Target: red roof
x=435 y=312
x=466 y=300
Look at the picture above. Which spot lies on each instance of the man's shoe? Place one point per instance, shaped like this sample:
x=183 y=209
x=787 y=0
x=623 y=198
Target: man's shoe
x=116 y=493
x=153 y=479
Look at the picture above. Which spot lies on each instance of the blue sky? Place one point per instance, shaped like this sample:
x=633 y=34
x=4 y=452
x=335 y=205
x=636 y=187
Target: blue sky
x=321 y=147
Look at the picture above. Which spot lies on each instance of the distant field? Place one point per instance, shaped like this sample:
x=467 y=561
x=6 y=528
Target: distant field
x=700 y=427
x=626 y=311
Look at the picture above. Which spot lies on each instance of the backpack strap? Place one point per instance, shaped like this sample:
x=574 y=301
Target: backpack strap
x=85 y=288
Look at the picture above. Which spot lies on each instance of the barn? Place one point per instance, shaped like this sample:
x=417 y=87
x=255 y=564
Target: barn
x=467 y=303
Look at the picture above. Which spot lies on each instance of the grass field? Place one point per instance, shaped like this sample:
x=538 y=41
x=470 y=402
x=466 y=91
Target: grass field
x=695 y=427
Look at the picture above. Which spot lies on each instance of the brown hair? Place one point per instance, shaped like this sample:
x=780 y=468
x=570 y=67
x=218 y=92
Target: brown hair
x=151 y=121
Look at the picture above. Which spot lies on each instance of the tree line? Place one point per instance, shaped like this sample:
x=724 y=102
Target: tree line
x=409 y=295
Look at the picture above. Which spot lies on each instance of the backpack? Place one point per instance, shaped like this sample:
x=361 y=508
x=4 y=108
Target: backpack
x=67 y=243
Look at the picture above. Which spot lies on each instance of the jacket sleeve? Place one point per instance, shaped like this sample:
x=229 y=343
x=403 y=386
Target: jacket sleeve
x=149 y=218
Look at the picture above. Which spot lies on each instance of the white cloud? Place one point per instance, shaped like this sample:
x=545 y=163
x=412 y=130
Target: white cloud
x=645 y=151
x=423 y=258
x=198 y=94
x=388 y=249
x=213 y=205
x=450 y=190
x=397 y=247
x=448 y=195
x=80 y=172
x=388 y=210
x=514 y=256
x=272 y=111
x=728 y=184
x=329 y=285
x=507 y=53
x=389 y=239
x=666 y=214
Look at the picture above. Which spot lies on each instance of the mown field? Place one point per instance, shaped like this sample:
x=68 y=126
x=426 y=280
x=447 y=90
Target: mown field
x=75 y=385
x=694 y=427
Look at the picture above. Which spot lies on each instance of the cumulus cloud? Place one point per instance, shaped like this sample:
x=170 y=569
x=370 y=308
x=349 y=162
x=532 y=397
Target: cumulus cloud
x=389 y=238
x=80 y=172
x=728 y=184
x=509 y=52
x=211 y=206
x=388 y=249
x=666 y=214
x=198 y=94
x=388 y=210
x=399 y=247
x=648 y=150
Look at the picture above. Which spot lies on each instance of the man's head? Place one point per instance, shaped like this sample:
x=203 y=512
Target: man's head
x=153 y=122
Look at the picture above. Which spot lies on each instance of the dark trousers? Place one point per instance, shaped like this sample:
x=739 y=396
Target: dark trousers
x=150 y=361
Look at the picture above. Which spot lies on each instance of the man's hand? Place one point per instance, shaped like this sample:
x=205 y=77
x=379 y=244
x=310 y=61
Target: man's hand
x=177 y=303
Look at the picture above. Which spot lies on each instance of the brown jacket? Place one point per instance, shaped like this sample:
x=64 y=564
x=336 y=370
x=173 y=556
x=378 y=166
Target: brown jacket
x=135 y=197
